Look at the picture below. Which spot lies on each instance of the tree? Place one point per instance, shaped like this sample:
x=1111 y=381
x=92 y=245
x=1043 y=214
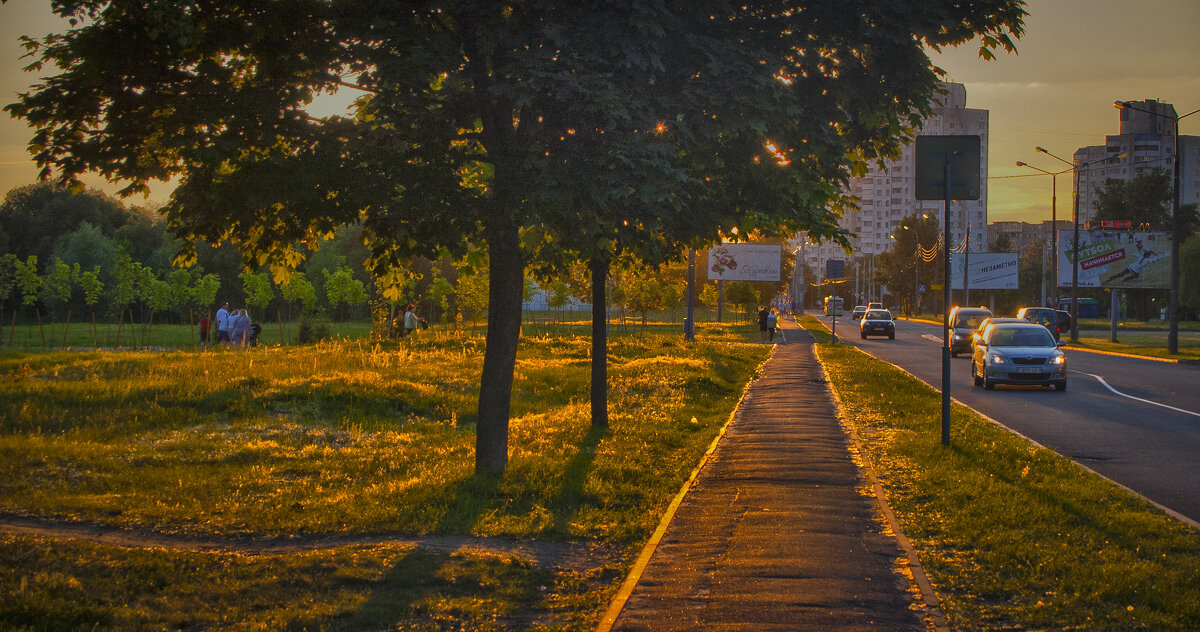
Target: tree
x=671 y=121
x=1189 y=274
x=257 y=288
x=742 y=294
x=913 y=259
x=1144 y=200
x=299 y=289
x=440 y=292
x=471 y=292
x=8 y=278
x=123 y=290
x=204 y=292
x=342 y=287
x=92 y=287
x=58 y=284
x=37 y=216
x=89 y=247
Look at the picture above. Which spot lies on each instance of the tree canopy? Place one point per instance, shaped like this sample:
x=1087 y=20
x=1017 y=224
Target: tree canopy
x=1145 y=200
x=640 y=124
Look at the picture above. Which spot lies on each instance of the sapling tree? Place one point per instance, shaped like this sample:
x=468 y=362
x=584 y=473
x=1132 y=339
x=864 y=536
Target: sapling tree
x=93 y=289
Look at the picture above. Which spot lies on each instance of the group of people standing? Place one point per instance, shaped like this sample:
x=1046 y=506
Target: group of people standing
x=233 y=328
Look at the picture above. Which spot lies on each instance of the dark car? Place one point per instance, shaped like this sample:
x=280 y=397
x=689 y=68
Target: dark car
x=1056 y=320
x=877 y=322
x=963 y=322
x=1018 y=353
x=858 y=312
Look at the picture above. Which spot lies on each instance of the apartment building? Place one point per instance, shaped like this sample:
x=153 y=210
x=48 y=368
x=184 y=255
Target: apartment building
x=1148 y=142
x=887 y=193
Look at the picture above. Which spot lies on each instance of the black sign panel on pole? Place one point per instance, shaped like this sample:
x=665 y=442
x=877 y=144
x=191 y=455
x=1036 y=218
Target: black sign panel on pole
x=947 y=169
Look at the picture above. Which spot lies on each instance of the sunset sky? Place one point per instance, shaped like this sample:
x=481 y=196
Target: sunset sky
x=1076 y=58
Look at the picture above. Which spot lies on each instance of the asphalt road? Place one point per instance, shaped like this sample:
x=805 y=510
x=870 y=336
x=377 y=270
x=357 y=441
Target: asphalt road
x=1135 y=421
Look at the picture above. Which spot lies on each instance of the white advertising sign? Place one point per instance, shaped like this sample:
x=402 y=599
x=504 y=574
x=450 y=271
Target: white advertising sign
x=989 y=270
x=745 y=262
x=1116 y=258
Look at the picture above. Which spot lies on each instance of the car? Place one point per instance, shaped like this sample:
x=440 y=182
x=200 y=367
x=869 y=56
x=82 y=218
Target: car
x=877 y=322
x=858 y=312
x=1064 y=320
x=1056 y=320
x=962 y=323
x=1018 y=353
x=875 y=305
x=991 y=320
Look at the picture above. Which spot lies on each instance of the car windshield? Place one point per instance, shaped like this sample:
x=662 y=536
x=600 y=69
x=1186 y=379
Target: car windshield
x=879 y=314
x=970 y=321
x=1021 y=337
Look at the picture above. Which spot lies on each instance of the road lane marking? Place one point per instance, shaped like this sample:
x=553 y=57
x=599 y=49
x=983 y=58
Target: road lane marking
x=1139 y=399
x=932 y=337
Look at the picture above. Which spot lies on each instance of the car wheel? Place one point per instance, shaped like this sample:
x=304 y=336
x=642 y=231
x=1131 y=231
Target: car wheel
x=987 y=383
x=1061 y=386
x=892 y=336
x=978 y=381
x=953 y=353
x=864 y=336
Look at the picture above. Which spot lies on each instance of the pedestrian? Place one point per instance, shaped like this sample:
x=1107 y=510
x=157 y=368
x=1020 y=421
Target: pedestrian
x=772 y=321
x=411 y=322
x=239 y=328
x=204 y=326
x=762 y=322
x=223 y=323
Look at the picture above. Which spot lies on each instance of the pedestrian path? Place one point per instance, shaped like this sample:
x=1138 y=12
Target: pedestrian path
x=774 y=533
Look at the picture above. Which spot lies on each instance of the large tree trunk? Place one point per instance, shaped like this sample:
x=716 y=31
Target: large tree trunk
x=506 y=274
x=599 y=266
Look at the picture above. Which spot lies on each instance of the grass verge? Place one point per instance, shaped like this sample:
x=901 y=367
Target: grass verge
x=1150 y=345
x=345 y=439
x=1013 y=536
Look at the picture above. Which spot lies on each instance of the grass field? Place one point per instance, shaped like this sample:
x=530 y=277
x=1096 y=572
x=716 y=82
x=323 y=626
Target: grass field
x=345 y=443
x=329 y=487
x=1013 y=536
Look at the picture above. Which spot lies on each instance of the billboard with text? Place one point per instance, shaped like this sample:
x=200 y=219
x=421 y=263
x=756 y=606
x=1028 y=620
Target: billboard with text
x=989 y=270
x=1116 y=258
x=745 y=262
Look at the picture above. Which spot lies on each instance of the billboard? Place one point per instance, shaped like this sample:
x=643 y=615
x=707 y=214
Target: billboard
x=989 y=270
x=745 y=262
x=1116 y=258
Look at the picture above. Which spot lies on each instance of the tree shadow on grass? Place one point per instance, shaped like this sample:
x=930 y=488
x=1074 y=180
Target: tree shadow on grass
x=566 y=503
x=432 y=589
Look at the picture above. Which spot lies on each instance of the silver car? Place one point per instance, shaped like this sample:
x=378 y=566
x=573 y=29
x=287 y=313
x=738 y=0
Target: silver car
x=1018 y=353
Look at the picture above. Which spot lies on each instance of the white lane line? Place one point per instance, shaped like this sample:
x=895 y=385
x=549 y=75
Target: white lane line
x=932 y=337
x=1138 y=399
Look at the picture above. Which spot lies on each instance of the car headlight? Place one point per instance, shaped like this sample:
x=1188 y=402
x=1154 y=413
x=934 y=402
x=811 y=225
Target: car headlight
x=997 y=358
x=1058 y=360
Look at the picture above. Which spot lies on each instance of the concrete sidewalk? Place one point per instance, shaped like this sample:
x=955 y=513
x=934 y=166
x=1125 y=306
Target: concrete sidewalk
x=774 y=533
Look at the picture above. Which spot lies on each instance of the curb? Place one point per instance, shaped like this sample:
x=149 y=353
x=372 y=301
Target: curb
x=609 y=619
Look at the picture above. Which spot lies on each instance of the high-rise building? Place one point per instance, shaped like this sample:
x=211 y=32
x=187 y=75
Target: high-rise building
x=1148 y=142
x=887 y=193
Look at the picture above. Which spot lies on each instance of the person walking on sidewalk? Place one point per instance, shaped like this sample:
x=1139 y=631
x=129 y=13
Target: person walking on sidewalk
x=762 y=322
x=772 y=321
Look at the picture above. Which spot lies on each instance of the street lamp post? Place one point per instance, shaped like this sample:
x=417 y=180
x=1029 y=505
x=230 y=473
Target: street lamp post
x=1075 y=169
x=1053 y=223
x=1173 y=291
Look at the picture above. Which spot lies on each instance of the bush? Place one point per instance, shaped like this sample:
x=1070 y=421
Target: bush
x=314 y=329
